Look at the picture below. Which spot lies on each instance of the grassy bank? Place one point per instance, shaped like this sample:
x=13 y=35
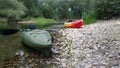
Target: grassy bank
x=42 y=22
x=39 y=22
x=3 y=22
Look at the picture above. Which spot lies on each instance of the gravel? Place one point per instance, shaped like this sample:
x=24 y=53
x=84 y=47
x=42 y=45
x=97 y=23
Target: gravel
x=92 y=46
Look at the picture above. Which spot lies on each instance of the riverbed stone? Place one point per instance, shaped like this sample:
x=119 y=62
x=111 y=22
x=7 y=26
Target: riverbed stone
x=95 y=45
x=98 y=41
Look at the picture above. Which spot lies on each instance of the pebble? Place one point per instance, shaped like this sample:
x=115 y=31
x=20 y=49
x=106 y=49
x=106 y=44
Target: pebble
x=97 y=42
x=55 y=49
x=88 y=66
x=92 y=46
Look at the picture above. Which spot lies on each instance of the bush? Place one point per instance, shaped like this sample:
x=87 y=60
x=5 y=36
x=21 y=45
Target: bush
x=108 y=9
x=89 y=17
x=12 y=9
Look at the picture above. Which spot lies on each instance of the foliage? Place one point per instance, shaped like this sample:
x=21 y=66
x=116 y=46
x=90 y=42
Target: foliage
x=33 y=7
x=89 y=10
x=47 y=10
x=89 y=17
x=108 y=9
x=12 y=9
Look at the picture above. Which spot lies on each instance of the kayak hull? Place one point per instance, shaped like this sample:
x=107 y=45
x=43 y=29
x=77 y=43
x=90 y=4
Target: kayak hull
x=68 y=24
x=74 y=24
x=36 y=38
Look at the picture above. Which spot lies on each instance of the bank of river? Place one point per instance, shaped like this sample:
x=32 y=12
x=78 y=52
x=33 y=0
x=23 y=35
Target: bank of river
x=13 y=53
x=92 y=46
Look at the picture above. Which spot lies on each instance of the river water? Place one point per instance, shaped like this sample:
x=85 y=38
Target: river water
x=13 y=53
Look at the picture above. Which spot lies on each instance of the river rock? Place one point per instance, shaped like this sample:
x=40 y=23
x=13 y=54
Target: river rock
x=98 y=42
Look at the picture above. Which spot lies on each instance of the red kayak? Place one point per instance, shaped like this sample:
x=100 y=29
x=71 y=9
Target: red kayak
x=74 y=24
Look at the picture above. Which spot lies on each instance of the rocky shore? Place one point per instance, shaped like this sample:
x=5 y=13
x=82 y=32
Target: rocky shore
x=92 y=46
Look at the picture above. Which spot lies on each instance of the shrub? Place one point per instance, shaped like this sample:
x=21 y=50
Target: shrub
x=89 y=17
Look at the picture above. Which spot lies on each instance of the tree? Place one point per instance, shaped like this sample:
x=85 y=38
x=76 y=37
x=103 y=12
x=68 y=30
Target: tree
x=33 y=7
x=108 y=9
x=62 y=10
x=47 y=9
x=76 y=8
x=12 y=9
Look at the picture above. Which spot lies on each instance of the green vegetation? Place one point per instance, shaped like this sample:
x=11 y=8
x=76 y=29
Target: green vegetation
x=3 y=20
x=107 y=9
x=11 y=9
x=42 y=22
x=89 y=17
x=69 y=45
x=89 y=10
x=39 y=22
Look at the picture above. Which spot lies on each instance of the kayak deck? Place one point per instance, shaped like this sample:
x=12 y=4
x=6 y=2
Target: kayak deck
x=36 y=38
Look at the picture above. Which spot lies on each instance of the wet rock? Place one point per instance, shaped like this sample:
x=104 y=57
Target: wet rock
x=55 y=49
x=20 y=53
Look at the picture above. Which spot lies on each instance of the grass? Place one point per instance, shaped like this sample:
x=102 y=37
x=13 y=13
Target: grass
x=89 y=17
x=3 y=22
x=39 y=22
x=69 y=45
x=42 y=22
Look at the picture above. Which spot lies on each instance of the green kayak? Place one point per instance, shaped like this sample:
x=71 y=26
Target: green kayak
x=36 y=38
